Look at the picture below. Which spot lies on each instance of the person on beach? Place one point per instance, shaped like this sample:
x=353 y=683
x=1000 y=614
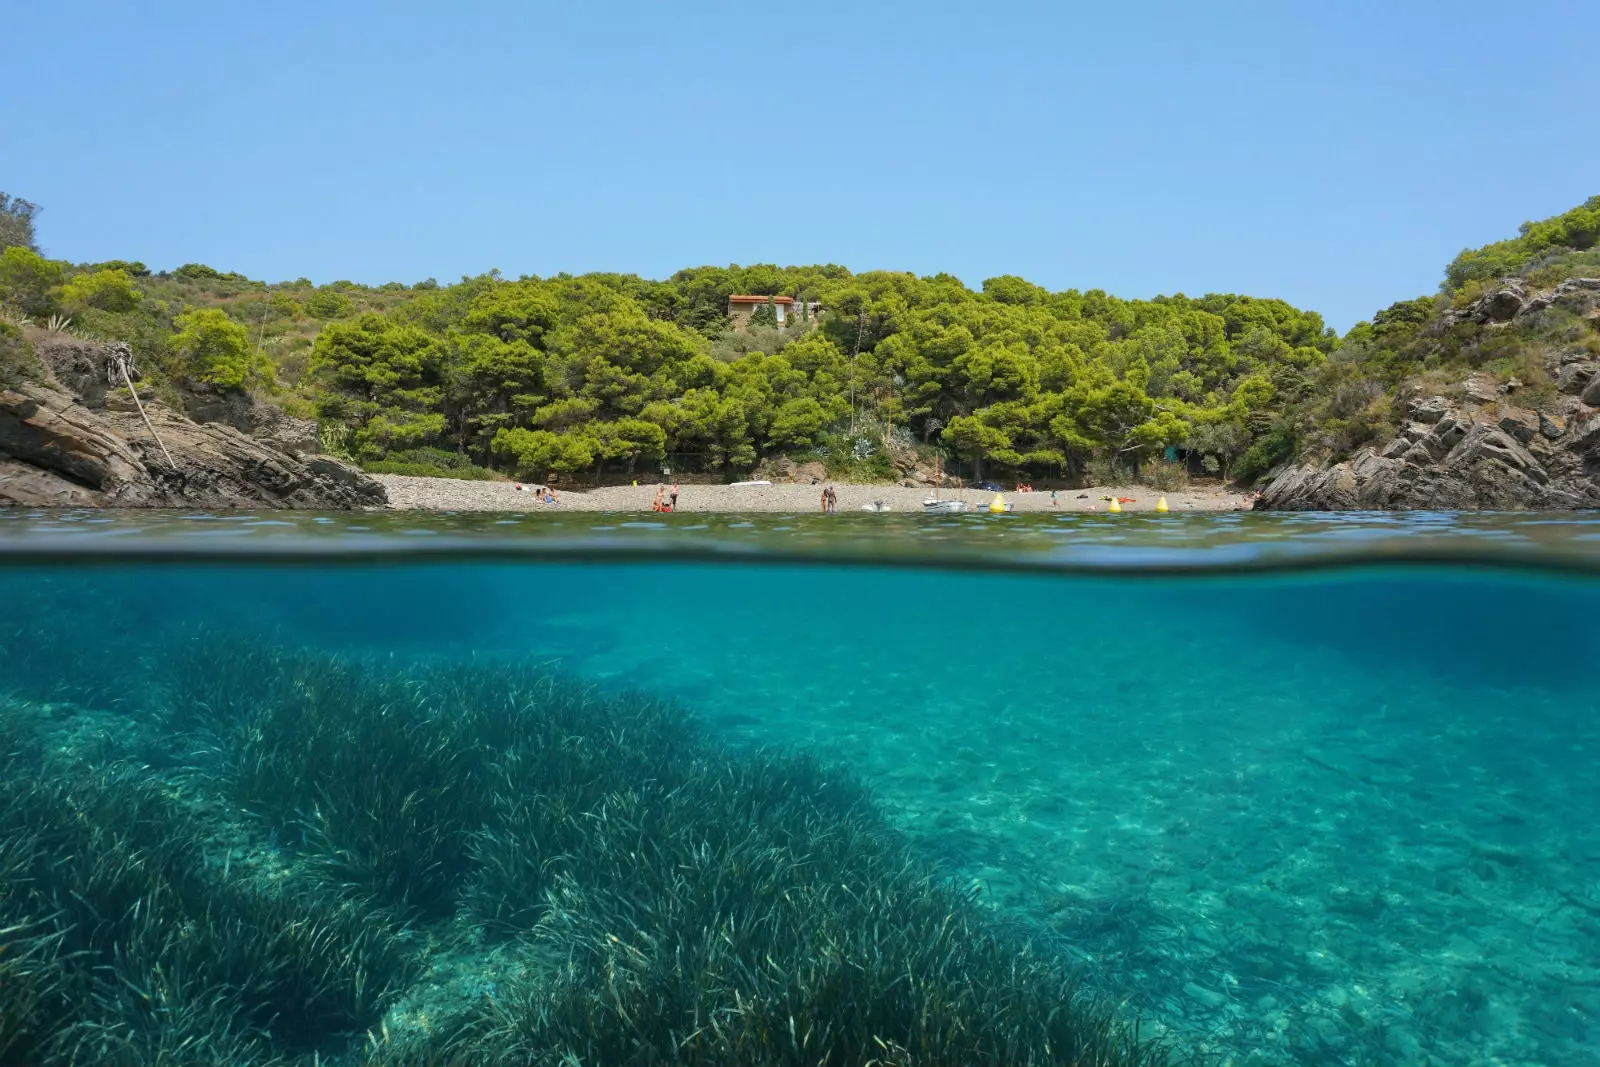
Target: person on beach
x=673 y=496
x=655 y=505
x=824 y=500
x=1053 y=499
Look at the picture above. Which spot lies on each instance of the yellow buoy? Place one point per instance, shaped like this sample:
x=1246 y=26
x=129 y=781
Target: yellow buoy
x=997 y=506
x=1115 y=505
x=1161 y=505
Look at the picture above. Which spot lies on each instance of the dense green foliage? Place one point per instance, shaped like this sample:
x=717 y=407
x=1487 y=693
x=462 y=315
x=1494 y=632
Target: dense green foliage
x=28 y=280
x=575 y=375
x=17 y=359
x=566 y=373
x=215 y=350
x=1577 y=229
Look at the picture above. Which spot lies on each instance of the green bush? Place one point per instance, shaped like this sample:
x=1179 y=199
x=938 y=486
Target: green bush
x=1576 y=229
x=1106 y=471
x=28 y=281
x=1276 y=447
x=107 y=290
x=216 y=351
x=195 y=272
x=329 y=304
x=431 y=463
x=17 y=358
x=1165 y=474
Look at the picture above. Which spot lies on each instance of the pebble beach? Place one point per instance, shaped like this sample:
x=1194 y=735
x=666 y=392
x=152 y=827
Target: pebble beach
x=409 y=493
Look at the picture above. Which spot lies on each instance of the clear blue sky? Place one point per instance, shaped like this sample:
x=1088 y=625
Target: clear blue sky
x=1336 y=155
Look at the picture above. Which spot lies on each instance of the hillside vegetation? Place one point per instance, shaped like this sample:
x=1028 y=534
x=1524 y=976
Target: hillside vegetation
x=1419 y=347
x=571 y=375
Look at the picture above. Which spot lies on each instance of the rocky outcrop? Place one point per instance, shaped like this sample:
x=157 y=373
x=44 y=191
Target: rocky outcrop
x=1451 y=456
x=1512 y=300
x=1476 y=446
x=57 y=452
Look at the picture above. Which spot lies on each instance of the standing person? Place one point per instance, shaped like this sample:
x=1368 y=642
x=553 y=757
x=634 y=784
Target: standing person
x=1053 y=499
x=673 y=496
x=833 y=501
x=824 y=500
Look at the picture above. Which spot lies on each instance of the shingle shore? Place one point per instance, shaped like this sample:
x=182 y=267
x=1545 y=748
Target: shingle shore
x=450 y=494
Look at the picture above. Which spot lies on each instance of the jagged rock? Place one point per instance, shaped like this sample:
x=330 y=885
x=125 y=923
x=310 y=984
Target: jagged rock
x=1574 y=378
x=284 y=431
x=55 y=451
x=80 y=366
x=1429 y=410
x=1591 y=392
x=1446 y=432
x=786 y=470
x=1463 y=462
x=1482 y=388
x=1500 y=305
x=1521 y=424
x=1586 y=437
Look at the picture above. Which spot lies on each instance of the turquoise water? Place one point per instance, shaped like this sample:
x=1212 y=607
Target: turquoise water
x=1311 y=815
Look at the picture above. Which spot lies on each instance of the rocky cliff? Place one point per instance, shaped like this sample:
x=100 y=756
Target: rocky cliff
x=66 y=442
x=1484 y=442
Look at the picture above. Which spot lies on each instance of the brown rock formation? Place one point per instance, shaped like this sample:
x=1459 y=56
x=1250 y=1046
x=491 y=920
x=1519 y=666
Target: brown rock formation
x=57 y=452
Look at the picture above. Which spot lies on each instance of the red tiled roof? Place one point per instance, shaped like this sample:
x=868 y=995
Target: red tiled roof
x=760 y=299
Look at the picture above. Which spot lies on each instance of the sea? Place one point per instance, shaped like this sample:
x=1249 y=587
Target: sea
x=1241 y=788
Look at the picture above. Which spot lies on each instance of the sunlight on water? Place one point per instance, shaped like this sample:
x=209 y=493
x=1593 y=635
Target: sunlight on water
x=1334 y=817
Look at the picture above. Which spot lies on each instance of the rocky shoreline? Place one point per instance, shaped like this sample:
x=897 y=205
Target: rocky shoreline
x=1481 y=444
x=67 y=442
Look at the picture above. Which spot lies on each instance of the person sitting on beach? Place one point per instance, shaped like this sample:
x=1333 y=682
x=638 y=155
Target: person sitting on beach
x=655 y=505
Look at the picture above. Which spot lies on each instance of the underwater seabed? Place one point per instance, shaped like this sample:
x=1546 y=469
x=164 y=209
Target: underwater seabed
x=1339 y=819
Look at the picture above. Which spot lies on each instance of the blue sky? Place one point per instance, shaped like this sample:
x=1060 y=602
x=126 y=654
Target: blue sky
x=1334 y=155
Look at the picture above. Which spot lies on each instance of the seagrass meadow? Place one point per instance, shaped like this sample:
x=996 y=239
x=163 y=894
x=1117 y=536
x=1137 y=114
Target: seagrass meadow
x=852 y=790
x=251 y=853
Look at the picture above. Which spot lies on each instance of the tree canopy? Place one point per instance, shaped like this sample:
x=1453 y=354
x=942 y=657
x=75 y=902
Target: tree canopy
x=562 y=374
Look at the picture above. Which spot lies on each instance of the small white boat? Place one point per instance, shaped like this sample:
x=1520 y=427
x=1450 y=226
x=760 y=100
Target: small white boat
x=933 y=505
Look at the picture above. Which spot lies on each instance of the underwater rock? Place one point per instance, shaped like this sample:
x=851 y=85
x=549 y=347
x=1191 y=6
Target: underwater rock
x=56 y=452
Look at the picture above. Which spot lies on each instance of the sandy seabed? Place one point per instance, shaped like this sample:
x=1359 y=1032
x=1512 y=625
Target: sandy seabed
x=450 y=494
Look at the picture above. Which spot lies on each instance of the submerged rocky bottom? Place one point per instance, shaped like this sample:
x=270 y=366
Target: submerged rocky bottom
x=256 y=855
